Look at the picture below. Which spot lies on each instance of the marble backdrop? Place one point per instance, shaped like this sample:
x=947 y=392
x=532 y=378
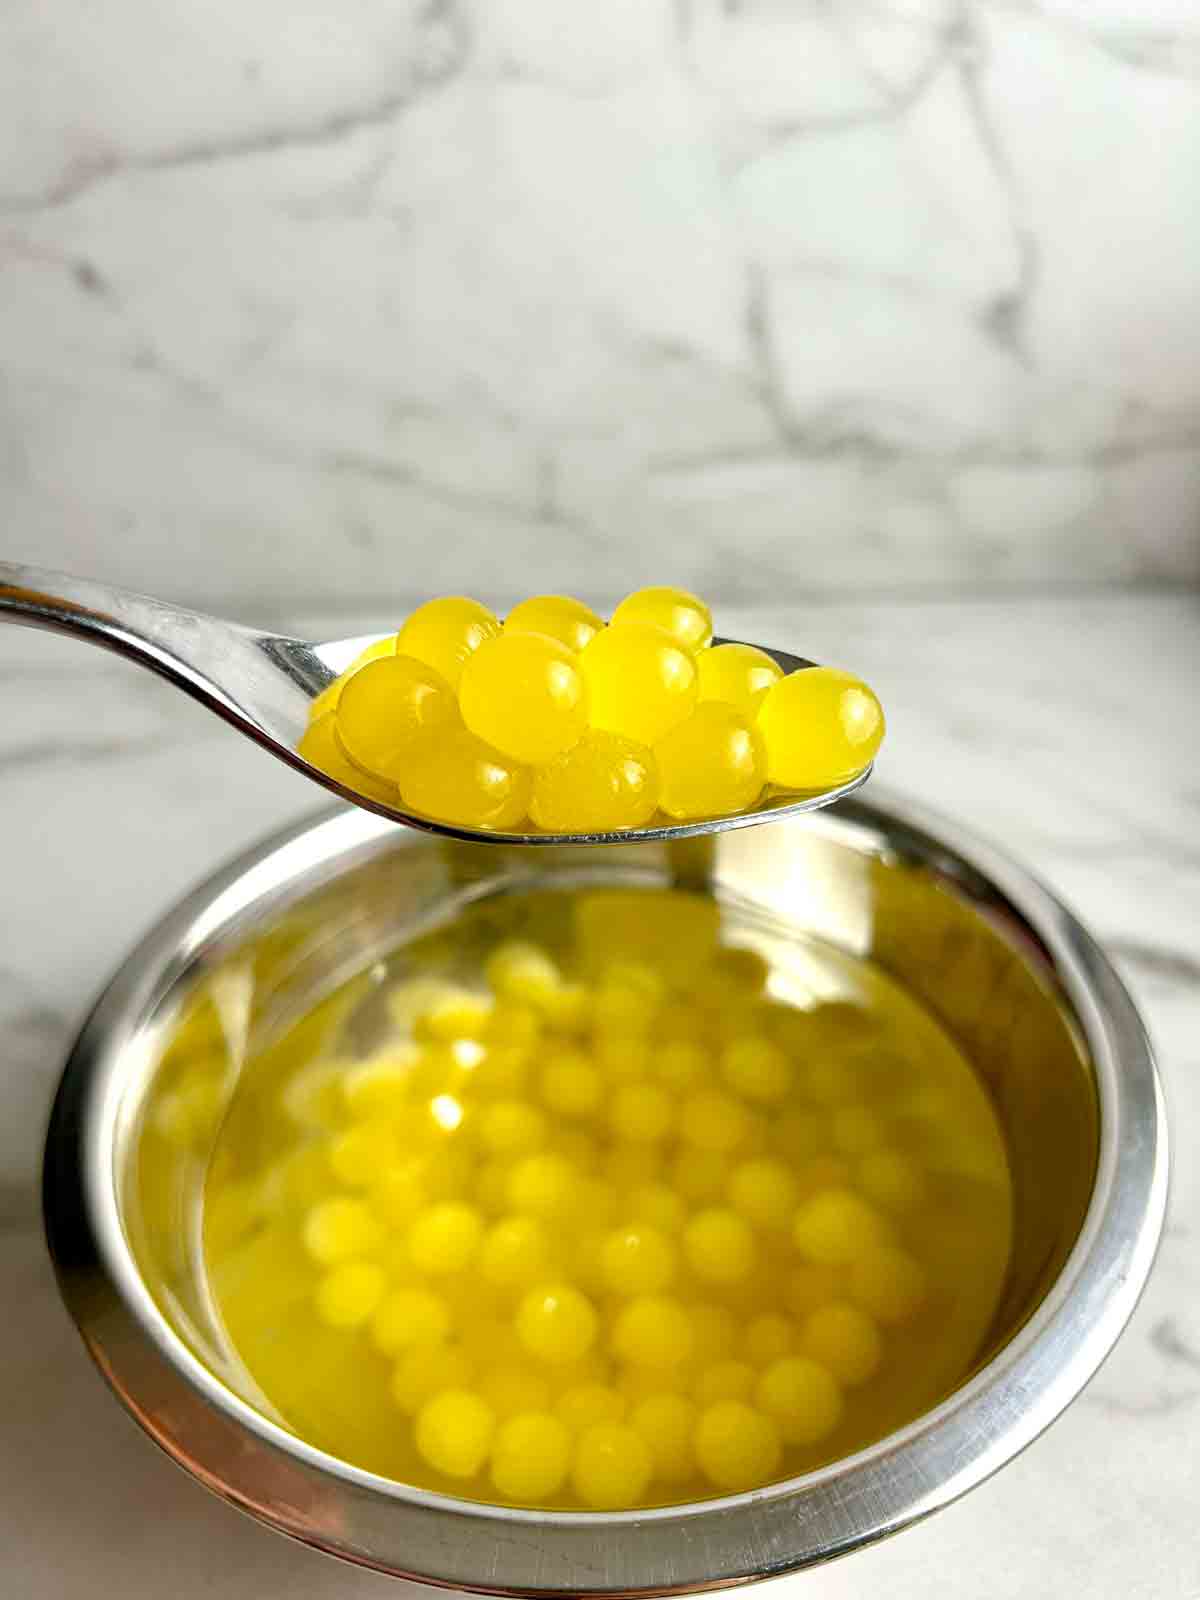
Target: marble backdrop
x=336 y=302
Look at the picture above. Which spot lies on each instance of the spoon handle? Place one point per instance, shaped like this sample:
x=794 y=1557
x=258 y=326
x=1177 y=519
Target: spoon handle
x=179 y=644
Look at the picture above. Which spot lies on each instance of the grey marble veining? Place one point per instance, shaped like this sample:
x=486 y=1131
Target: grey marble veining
x=1058 y=726
x=407 y=297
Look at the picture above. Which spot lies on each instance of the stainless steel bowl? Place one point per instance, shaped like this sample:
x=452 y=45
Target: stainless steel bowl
x=1029 y=996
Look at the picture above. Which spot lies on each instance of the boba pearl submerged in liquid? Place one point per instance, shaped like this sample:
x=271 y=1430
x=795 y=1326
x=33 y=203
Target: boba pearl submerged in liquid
x=608 y=1199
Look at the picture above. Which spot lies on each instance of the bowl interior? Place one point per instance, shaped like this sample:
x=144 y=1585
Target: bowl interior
x=257 y=1001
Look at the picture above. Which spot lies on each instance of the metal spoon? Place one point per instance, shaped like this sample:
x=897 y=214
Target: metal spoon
x=262 y=683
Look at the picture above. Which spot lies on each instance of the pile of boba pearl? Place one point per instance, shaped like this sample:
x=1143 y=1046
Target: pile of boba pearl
x=556 y=720
x=623 y=1243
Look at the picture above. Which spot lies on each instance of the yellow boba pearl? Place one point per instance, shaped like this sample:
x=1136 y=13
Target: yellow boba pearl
x=736 y=1446
x=454 y=1432
x=385 y=707
x=803 y=1397
x=892 y=1180
x=835 y=1227
x=348 y=1294
x=320 y=747
x=700 y=1175
x=719 y=1246
x=408 y=1317
x=756 y=1069
x=455 y=777
x=637 y=1260
x=844 y=1339
x=628 y=996
x=513 y=1025
x=337 y=1230
x=724 y=1380
x=542 y=1185
x=511 y=1388
x=531 y=1456
x=426 y=1370
x=445 y=1238
x=458 y=1014
x=682 y=615
x=657 y=1205
x=666 y=1424
x=556 y=1323
x=603 y=784
x=570 y=1084
x=612 y=1467
x=332 y=692
x=811 y=1286
x=714 y=1332
x=640 y=683
x=511 y=1128
x=556 y=615
x=713 y=1121
x=376 y=1088
x=888 y=1284
x=681 y=1064
x=856 y=1130
x=523 y=694
x=653 y=1331
x=821 y=728
x=514 y=1253
x=360 y=1154
x=769 y=1338
x=641 y=1112
x=712 y=765
x=737 y=675
x=445 y=633
x=568 y=1008
x=586 y=1404
x=763 y=1191
x=521 y=971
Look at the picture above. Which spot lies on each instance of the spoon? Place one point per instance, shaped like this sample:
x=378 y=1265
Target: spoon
x=263 y=683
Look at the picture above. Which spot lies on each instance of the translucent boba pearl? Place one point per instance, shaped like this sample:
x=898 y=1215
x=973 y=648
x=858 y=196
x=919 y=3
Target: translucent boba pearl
x=531 y=1456
x=556 y=1323
x=803 y=1397
x=737 y=1447
x=453 y=1432
x=444 y=633
x=612 y=1467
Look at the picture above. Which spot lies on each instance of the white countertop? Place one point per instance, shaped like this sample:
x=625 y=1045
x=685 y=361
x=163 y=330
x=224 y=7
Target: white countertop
x=861 y=292
x=1063 y=727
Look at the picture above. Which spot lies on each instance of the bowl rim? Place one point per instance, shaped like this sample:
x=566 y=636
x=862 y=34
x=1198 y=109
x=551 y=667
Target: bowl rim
x=443 y=1539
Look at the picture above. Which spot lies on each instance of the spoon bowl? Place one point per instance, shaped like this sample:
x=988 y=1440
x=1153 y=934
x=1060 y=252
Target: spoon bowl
x=264 y=683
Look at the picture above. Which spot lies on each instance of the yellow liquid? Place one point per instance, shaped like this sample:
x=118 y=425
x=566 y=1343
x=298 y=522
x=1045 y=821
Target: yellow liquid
x=599 y=1093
